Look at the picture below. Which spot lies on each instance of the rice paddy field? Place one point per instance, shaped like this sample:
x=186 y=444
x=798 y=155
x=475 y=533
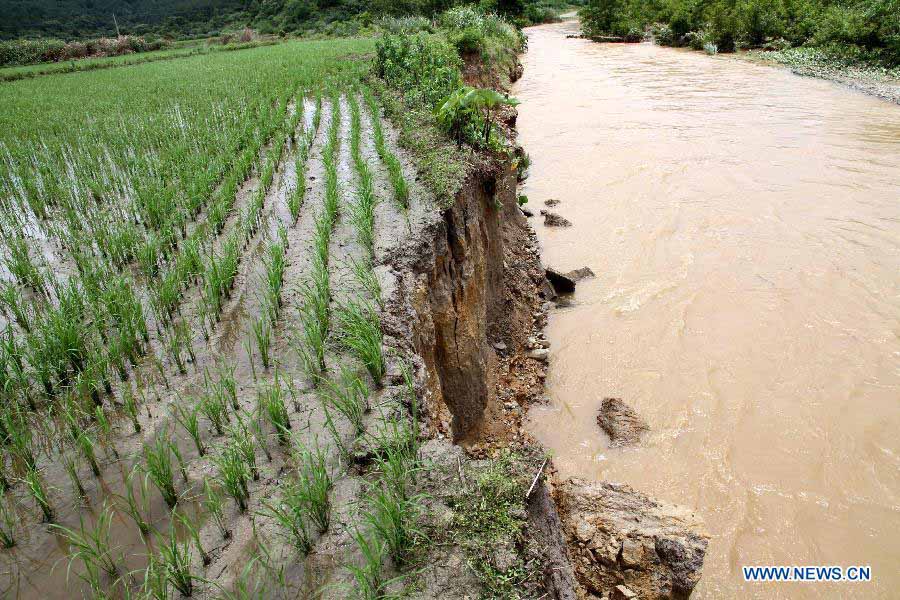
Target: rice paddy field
x=191 y=350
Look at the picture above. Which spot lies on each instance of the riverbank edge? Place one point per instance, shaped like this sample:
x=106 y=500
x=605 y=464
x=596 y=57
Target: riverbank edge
x=868 y=80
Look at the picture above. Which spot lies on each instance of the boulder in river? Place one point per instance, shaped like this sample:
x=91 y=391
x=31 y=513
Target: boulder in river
x=620 y=422
x=579 y=274
x=551 y=219
x=561 y=282
x=551 y=202
x=625 y=544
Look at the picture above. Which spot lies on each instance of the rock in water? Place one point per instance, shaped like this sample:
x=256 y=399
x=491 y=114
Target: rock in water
x=620 y=422
x=551 y=202
x=626 y=543
x=579 y=274
x=552 y=219
x=561 y=282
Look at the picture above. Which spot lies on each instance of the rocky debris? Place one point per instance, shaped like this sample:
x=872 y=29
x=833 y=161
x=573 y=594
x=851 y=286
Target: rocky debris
x=526 y=211
x=561 y=282
x=579 y=274
x=627 y=545
x=551 y=202
x=538 y=340
x=547 y=529
x=541 y=354
x=551 y=219
x=620 y=422
x=621 y=592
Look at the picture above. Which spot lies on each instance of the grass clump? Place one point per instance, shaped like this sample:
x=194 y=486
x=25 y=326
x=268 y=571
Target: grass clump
x=490 y=513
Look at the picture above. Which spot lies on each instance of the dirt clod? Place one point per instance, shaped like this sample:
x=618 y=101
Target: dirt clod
x=620 y=422
x=552 y=219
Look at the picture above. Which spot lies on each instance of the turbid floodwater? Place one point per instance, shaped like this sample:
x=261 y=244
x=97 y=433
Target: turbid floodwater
x=744 y=225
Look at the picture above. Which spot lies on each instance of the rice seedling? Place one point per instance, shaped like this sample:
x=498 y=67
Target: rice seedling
x=18 y=435
x=360 y=334
x=274 y=273
x=244 y=441
x=175 y=558
x=362 y=211
x=93 y=547
x=129 y=406
x=158 y=467
x=87 y=445
x=179 y=458
x=189 y=419
x=227 y=384
x=365 y=276
x=314 y=481
x=261 y=329
x=390 y=160
x=392 y=518
x=348 y=396
x=213 y=406
x=314 y=320
x=156 y=584
x=271 y=404
x=191 y=528
x=214 y=507
x=104 y=428
x=368 y=577
x=8 y=521
x=246 y=586
x=289 y=512
x=233 y=475
x=137 y=504
x=71 y=467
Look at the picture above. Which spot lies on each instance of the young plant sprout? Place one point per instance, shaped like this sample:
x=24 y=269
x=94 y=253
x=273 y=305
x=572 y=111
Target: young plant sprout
x=158 y=468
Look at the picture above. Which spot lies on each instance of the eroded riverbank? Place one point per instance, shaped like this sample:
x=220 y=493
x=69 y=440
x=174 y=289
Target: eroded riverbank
x=743 y=225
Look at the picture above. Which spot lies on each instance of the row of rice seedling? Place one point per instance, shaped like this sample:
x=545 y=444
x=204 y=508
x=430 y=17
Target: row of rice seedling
x=304 y=146
x=390 y=510
x=390 y=160
x=315 y=292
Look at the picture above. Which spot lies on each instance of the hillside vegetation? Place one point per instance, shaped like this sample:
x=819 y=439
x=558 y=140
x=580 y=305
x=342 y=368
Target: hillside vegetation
x=867 y=29
x=79 y=19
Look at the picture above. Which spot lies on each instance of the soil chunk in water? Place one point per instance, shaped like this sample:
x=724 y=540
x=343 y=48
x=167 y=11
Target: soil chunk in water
x=623 y=426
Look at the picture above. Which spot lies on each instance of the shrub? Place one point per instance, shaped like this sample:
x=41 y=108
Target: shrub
x=425 y=67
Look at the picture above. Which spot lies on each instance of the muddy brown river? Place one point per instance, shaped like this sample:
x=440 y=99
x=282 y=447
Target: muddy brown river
x=744 y=225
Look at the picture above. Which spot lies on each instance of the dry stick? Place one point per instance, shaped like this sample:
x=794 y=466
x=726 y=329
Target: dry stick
x=536 y=477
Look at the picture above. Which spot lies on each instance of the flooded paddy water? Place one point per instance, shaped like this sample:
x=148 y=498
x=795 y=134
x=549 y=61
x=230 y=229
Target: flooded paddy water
x=744 y=226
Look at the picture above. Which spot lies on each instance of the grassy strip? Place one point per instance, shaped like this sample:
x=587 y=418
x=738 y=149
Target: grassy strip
x=442 y=164
x=93 y=64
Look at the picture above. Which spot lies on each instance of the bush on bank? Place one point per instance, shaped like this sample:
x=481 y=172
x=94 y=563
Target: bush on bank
x=426 y=68
x=29 y=52
x=870 y=27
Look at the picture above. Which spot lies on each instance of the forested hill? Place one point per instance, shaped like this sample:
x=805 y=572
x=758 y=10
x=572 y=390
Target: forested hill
x=78 y=19
x=73 y=19
x=69 y=19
